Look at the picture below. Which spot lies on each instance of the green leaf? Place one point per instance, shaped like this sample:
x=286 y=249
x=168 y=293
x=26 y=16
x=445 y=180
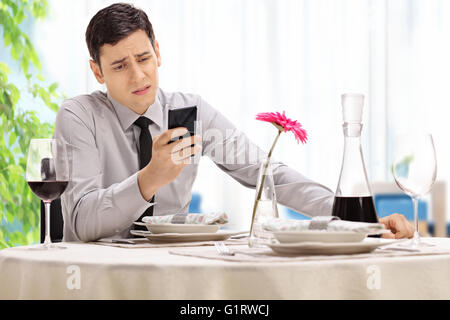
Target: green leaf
x=30 y=237
x=7 y=39
x=16 y=49
x=53 y=106
x=15 y=94
x=19 y=17
x=4 y=68
x=24 y=64
x=44 y=95
x=39 y=9
x=14 y=8
x=7 y=105
x=10 y=216
x=35 y=59
x=12 y=138
x=53 y=87
x=4 y=193
x=3 y=244
x=15 y=170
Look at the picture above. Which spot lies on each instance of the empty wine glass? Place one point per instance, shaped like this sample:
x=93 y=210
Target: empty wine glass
x=48 y=176
x=414 y=169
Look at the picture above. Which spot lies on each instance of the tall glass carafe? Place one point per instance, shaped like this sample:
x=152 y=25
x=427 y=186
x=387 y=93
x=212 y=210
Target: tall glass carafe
x=353 y=200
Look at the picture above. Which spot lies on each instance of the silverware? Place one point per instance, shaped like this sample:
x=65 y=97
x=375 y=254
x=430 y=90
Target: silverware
x=222 y=249
x=123 y=241
x=240 y=236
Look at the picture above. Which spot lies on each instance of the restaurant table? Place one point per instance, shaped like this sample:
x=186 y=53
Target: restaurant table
x=93 y=271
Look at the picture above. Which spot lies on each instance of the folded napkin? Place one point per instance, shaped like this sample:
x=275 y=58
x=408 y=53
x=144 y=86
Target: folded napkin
x=186 y=218
x=325 y=223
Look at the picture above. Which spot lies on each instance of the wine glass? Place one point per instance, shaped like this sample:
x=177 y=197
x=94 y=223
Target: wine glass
x=414 y=169
x=48 y=176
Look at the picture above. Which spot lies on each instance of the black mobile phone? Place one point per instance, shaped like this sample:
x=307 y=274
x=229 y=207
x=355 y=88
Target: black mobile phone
x=183 y=117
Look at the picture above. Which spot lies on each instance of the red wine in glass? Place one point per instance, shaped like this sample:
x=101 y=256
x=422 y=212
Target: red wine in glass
x=48 y=190
x=48 y=177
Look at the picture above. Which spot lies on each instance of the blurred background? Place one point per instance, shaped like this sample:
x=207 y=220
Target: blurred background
x=245 y=57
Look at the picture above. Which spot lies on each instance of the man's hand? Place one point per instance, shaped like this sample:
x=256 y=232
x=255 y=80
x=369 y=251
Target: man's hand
x=167 y=160
x=398 y=225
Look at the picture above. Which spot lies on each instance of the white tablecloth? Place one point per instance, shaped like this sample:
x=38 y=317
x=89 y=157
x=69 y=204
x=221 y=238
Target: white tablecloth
x=90 y=271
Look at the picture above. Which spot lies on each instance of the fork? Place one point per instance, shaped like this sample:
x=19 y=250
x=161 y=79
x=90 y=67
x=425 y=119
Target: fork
x=222 y=249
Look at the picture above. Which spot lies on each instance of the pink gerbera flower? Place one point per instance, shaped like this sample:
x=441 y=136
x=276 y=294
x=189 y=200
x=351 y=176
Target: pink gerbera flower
x=284 y=124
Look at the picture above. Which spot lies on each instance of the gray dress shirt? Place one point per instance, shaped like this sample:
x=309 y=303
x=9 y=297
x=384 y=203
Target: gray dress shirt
x=103 y=198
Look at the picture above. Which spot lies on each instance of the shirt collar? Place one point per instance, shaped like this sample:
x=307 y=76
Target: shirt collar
x=127 y=116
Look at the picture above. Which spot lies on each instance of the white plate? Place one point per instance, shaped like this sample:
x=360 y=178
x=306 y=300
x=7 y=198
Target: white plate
x=180 y=228
x=310 y=248
x=184 y=237
x=318 y=236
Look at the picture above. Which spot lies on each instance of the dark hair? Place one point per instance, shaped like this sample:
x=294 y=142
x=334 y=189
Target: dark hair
x=112 y=24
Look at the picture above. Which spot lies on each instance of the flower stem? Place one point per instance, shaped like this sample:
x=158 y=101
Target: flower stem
x=258 y=197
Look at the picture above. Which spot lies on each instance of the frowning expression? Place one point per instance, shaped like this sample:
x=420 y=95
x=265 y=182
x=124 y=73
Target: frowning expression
x=129 y=69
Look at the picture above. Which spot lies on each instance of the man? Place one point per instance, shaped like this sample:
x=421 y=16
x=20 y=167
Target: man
x=122 y=163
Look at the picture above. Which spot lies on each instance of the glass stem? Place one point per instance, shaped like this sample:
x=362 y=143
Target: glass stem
x=47 y=240
x=416 y=238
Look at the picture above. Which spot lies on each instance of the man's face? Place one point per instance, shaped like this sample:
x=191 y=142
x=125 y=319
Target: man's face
x=130 y=71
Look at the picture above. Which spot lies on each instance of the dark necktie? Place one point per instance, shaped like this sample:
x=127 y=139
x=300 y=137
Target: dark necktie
x=145 y=154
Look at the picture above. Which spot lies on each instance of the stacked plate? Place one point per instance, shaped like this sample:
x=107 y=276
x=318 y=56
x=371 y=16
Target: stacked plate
x=171 y=232
x=324 y=242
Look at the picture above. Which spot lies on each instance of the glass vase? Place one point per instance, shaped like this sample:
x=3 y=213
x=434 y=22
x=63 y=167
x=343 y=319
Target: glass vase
x=265 y=205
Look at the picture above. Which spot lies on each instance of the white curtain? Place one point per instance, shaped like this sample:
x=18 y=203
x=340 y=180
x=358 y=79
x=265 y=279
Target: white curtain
x=246 y=57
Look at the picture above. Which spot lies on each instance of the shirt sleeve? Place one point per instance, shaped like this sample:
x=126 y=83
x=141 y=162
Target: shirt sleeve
x=92 y=211
x=232 y=151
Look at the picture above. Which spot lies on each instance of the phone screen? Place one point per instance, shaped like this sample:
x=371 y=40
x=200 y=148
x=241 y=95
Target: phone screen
x=183 y=117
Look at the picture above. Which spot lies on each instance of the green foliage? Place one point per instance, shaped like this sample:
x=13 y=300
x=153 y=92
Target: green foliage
x=17 y=126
